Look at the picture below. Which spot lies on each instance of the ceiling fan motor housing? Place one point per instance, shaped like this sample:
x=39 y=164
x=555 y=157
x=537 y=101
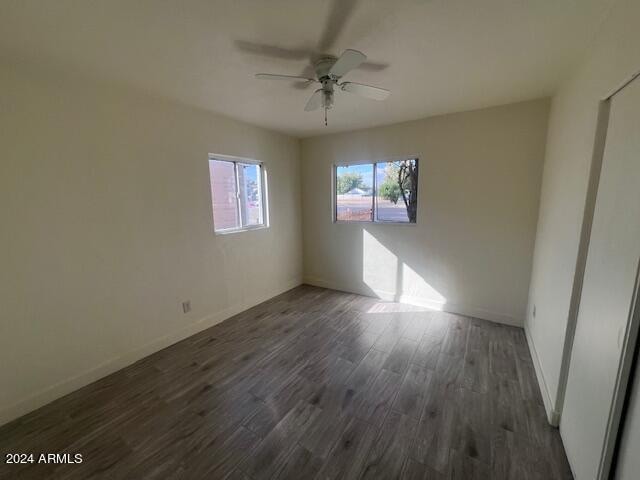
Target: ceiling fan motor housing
x=323 y=66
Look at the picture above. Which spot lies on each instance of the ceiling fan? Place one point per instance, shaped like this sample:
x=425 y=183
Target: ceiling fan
x=329 y=71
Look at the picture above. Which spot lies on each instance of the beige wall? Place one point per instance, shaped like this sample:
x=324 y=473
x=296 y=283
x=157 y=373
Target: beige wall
x=612 y=58
x=106 y=228
x=471 y=249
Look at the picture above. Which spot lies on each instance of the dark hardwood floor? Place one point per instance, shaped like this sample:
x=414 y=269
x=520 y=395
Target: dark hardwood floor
x=313 y=383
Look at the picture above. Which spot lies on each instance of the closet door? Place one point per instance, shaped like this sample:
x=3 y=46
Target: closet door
x=628 y=467
x=608 y=289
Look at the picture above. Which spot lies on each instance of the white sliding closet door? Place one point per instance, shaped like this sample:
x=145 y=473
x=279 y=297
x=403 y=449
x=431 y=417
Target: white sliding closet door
x=608 y=288
x=629 y=457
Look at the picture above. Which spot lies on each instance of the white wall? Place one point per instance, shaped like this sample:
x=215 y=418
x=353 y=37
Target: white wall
x=613 y=57
x=105 y=208
x=478 y=194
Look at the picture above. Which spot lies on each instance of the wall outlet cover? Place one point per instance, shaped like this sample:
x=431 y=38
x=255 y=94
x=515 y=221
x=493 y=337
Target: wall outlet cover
x=186 y=306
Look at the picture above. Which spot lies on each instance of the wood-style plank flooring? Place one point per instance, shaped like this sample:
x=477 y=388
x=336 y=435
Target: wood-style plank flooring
x=313 y=383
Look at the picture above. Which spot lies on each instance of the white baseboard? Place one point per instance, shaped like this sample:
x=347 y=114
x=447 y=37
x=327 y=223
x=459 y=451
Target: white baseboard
x=71 y=384
x=553 y=416
x=466 y=310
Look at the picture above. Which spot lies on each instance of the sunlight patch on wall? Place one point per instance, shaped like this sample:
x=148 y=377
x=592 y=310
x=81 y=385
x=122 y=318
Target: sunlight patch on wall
x=418 y=292
x=379 y=267
x=391 y=279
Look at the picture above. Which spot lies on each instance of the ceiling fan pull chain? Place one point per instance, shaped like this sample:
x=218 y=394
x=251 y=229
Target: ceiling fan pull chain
x=325 y=116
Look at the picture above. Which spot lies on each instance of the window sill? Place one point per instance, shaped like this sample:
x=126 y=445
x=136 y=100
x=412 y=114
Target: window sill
x=240 y=230
x=346 y=222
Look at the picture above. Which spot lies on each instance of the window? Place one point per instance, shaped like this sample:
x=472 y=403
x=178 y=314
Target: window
x=377 y=192
x=237 y=194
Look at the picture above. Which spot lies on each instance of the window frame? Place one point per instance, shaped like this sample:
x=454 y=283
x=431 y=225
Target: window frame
x=262 y=186
x=374 y=187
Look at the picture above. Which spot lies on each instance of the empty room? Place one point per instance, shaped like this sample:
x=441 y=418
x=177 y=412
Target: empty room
x=319 y=239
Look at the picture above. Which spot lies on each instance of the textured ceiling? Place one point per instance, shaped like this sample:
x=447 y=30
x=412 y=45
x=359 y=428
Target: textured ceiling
x=436 y=56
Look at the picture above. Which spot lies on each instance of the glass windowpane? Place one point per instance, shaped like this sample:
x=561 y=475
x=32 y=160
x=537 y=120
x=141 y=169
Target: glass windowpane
x=354 y=190
x=396 y=191
x=223 y=194
x=249 y=180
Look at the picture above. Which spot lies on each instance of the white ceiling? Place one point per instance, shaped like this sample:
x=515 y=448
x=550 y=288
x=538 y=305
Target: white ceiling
x=441 y=55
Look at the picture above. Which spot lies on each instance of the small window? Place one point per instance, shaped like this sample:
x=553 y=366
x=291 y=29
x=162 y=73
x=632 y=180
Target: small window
x=237 y=194
x=377 y=192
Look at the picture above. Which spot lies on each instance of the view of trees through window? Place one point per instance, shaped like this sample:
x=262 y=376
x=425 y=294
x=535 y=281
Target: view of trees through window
x=380 y=192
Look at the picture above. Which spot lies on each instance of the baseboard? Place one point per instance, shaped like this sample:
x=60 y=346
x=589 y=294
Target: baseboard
x=553 y=416
x=466 y=310
x=69 y=385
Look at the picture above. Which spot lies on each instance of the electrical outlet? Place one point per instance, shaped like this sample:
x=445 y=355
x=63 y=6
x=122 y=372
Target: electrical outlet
x=186 y=306
x=534 y=311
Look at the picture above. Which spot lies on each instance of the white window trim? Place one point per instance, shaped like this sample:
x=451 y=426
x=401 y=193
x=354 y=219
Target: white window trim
x=263 y=194
x=374 y=221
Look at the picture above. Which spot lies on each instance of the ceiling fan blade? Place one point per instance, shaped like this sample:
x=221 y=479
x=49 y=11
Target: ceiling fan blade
x=273 y=50
x=349 y=60
x=367 y=91
x=373 y=66
x=307 y=72
x=315 y=102
x=270 y=76
x=340 y=12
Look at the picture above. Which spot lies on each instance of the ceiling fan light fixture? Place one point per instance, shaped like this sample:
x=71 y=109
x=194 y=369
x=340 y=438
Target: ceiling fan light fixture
x=327 y=99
